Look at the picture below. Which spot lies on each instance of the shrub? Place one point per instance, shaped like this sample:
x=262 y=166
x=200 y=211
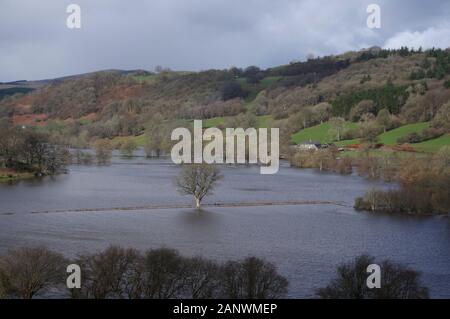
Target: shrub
x=350 y=134
x=431 y=133
x=410 y=138
x=427 y=134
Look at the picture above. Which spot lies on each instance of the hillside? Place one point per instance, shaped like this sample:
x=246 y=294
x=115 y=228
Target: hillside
x=413 y=86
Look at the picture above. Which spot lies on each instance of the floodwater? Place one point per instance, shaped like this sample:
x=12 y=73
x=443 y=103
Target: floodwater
x=306 y=242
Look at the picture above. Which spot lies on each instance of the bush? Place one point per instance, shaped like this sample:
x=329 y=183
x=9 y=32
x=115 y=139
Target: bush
x=427 y=134
x=431 y=133
x=350 y=134
x=410 y=138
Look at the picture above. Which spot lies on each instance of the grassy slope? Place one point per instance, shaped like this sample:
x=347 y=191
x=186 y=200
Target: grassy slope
x=391 y=137
x=432 y=145
x=318 y=133
x=214 y=122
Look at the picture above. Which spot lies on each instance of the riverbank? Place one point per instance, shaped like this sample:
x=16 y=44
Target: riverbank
x=9 y=175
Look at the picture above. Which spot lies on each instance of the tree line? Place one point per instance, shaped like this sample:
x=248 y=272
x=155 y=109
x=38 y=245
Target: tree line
x=118 y=273
x=422 y=184
x=31 y=151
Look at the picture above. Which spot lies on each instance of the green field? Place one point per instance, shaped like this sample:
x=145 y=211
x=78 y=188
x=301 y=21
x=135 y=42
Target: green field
x=319 y=133
x=432 y=145
x=139 y=140
x=214 y=122
x=391 y=137
x=265 y=121
x=267 y=81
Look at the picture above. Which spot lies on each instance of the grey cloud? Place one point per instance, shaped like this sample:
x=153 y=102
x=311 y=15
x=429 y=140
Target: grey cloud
x=199 y=34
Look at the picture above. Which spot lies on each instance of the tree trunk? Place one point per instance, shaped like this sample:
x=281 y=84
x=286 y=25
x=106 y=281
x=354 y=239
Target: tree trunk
x=197 y=203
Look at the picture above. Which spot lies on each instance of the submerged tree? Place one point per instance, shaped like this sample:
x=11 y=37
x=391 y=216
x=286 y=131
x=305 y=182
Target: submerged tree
x=128 y=147
x=103 y=151
x=198 y=180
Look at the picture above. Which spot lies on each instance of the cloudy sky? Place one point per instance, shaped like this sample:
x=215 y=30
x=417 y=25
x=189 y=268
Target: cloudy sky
x=35 y=42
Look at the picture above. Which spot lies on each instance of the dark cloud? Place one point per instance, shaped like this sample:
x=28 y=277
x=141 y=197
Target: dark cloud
x=202 y=34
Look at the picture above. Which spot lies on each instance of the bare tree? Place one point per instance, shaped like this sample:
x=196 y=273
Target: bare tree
x=337 y=125
x=25 y=272
x=203 y=279
x=397 y=282
x=112 y=273
x=164 y=274
x=252 y=278
x=198 y=180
